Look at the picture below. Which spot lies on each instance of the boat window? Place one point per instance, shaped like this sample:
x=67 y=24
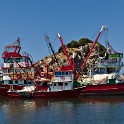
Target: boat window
x=114 y=60
x=16 y=82
x=5 y=71
x=56 y=73
x=66 y=73
x=21 y=60
x=5 y=60
x=102 y=61
x=17 y=70
x=27 y=70
x=29 y=82
x=26 y=60
x=70 y=72
x=54 y=84
x=17 y=59
x=102 y=70
x=63 y=73
x=8 y=60
x=25 y=82
x=10 y=70
x=60 y=84
x=66 y=84
x=10 y=82
x=59 y=73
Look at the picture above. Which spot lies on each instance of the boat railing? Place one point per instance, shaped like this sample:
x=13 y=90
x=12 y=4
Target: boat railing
x=111 y=64
x=10 y=65
x=62 y=79
x=19 y=76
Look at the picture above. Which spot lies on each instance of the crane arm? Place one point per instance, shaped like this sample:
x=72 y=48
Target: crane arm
x=50 y=45
x=64 y=48
x=88 y=55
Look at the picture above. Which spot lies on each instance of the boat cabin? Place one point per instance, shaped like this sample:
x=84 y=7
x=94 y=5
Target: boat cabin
x=62 y=80
x=17 y=68
x=110 y=65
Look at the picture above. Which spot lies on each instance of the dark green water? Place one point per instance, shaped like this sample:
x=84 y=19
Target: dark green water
x=84 y=110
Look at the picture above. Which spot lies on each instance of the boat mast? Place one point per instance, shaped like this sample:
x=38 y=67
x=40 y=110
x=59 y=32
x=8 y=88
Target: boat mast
x=50 y=46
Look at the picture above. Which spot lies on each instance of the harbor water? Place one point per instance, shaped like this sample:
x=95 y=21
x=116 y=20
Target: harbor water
x=83 y=110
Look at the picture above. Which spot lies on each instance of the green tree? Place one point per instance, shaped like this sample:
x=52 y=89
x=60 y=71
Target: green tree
x=69 y=45
x=60 y=49
x=83 y=41
x=73 y=44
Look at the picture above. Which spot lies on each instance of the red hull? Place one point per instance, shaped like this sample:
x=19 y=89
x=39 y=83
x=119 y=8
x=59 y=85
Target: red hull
x=59 y=94
x=55 y=94
x=4 y=88
x=104 y=89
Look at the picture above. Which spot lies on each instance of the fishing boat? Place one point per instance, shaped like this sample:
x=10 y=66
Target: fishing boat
x=17 y=70
x=62 y=85
x=104 y=77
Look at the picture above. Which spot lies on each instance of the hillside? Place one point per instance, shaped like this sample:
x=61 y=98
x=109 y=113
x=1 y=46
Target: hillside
x=81 y=49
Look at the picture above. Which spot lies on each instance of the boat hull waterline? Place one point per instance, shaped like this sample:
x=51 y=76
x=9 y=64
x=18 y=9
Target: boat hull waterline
x=51 y=94
x=104 y=89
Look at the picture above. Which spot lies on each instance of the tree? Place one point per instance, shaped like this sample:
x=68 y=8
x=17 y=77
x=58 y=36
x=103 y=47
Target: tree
x=60 y=49
x=73 y=44
x=83 y=41
x=69 y=45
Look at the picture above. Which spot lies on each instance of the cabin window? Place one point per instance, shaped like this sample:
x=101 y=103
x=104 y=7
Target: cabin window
x=8 y=60
x=10 y=82
x=70 y=73
x=27 y=70
x=17 y=70
x=17 y=59
x=114 y=60
x=21 y=60
x=26 y=60
x=60 y=84
x=109 y=61
x=10 y=70
x=54 y=84
x=56 y=73
x=66 y=84
x=102 y=70
x=25 y=82
x=59 y=73
x=66 y=73
x=102 y=61
x=29 y=82
x=5 y=60
x=16 y=82
x=113 y=69
x=5 y=71
x=63 y=73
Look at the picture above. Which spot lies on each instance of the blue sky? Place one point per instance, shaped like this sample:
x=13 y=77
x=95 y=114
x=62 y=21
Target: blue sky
x=73 y=19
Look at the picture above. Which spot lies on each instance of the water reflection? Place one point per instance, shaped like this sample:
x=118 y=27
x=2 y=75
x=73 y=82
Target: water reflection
x=102 y=99
x=14 y=111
